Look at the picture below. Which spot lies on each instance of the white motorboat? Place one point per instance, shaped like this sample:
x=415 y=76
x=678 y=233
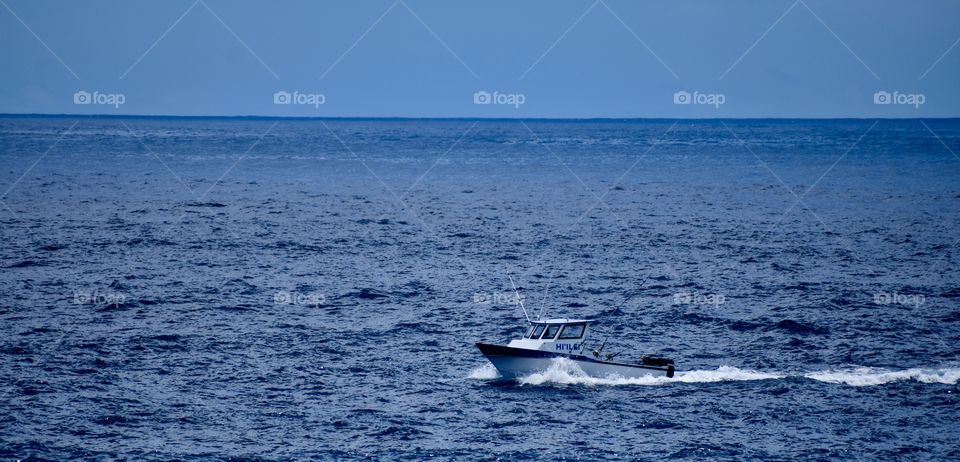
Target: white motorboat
x=547 y=340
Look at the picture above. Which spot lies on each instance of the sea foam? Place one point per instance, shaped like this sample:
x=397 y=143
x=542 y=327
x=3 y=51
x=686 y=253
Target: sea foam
x=867 y=376
x=565 y=371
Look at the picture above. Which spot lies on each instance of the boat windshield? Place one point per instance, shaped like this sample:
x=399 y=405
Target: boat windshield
x=551 y=331
x=537 y=331
x=572 y=331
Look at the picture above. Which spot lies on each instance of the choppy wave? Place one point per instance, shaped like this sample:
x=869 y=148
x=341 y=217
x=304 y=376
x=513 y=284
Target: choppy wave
x=564 y=371
x=199 y=346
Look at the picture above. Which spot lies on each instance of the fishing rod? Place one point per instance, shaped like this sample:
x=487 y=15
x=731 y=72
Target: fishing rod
x=519 y=300
x=596 y=353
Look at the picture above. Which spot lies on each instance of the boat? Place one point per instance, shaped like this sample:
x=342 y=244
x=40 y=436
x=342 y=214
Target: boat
x=548 y=340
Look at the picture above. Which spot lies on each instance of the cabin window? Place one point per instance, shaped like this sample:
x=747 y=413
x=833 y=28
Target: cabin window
x=529 y=332
x=537 y=331
x=551 y=332
x=571 y=331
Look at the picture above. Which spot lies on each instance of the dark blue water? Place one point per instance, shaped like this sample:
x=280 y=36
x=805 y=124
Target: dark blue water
x=287 y=290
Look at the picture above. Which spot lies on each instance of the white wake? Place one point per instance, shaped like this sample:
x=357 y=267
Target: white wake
x=866 y=376
x=564 y=371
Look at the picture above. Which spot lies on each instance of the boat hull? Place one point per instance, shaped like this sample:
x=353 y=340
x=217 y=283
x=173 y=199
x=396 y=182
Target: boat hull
x=517 y=362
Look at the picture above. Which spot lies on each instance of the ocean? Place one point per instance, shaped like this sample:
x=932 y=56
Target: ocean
x=289 y=289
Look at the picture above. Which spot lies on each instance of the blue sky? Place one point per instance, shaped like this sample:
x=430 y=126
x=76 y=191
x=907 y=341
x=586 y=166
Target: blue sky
x=419 y=58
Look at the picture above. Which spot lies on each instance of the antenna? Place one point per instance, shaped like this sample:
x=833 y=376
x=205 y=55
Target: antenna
x=518 y=298
x=543 y=302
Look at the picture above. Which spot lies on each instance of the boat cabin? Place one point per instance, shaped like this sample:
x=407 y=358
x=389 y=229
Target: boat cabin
x=555 y=335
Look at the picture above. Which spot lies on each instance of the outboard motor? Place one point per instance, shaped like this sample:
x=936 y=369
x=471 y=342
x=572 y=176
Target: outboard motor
x=659 y=362
x=655 y=361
